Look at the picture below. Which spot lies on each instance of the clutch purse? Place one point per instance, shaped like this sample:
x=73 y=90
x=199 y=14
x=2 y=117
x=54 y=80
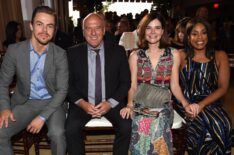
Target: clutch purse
x=151 y=96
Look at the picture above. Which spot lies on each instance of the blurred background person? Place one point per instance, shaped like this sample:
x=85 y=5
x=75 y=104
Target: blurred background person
x=63 y=39
x=129 y=40
x=225 y=36
x=178 y=41
x=122 y=26
x=202 y=12
x=14 y=34
x=108 y=36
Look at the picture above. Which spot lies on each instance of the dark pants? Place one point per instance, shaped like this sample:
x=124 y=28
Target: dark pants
x=75 y=123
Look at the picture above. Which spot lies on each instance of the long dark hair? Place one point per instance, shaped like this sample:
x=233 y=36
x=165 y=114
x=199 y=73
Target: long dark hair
x=189 y=27
x=11 y=30
x=142 y=43
x=181 y=25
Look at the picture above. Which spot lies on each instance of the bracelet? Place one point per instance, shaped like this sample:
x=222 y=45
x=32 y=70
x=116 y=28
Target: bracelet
x=129 y=107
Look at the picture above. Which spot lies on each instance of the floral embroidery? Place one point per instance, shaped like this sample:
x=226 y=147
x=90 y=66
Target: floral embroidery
x=161 y=146
x=144 y=125
x=150 y=134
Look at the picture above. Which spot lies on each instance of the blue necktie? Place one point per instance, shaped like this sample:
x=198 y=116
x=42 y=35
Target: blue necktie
x=98 y=78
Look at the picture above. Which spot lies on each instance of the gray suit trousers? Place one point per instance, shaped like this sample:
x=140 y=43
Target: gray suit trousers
x=24 y=114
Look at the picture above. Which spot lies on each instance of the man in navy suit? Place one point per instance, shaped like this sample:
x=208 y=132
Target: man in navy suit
x=85 y=88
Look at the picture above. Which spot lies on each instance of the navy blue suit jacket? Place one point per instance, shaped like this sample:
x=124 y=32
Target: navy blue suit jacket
x=117 y=72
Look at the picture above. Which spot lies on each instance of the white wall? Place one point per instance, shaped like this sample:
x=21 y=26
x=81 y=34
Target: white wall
x=27 y=9
x=129 y=7
x=48 y=3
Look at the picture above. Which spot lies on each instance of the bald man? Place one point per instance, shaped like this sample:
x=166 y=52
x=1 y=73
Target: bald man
x=98 y=86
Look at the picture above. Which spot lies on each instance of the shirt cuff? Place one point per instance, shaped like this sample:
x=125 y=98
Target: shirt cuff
x=113 y=102
x=42 y=118
x=78 y=102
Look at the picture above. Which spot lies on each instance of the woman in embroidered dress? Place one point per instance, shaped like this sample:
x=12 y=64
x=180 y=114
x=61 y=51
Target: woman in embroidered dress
x=204 y=79
x=156 y=64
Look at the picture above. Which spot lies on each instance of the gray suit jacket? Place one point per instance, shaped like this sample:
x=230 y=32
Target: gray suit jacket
x=17 y=62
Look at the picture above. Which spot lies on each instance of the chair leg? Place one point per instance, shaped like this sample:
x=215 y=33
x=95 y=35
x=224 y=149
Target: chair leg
x=25 y=141
x=41 y=141
x=179 y=140
x=22 y=142
x=36 y=144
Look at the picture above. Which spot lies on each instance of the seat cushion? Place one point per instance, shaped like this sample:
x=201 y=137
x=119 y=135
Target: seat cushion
x=99 y=122
x=103 y=122
x=178 y=121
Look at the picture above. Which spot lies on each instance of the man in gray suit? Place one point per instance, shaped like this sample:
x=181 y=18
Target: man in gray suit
x=41 y=85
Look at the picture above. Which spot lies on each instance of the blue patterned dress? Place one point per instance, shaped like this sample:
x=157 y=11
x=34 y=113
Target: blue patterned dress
x=210 y=131
x=151 y=135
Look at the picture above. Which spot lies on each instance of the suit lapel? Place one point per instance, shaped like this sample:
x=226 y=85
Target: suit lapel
x=107 y=62
x=49 y=60
x=26 y=62
x=85 y=65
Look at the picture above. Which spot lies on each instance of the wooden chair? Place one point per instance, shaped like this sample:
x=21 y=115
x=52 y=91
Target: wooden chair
x=103 y=128
x=22 y=142
x=95 y=128
x=99 y=136
x=178 y=132
x=41 y=140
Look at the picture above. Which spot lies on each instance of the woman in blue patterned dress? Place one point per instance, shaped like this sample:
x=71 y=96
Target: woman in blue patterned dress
x=156 y=64
x=204 y=79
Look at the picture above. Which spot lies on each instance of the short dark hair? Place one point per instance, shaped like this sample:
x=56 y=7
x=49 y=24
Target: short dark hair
x=44 y=9
x=142 y=43
x=189 y=27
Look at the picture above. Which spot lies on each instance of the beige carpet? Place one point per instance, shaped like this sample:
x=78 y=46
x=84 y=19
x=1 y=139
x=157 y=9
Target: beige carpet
x=42 y=151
